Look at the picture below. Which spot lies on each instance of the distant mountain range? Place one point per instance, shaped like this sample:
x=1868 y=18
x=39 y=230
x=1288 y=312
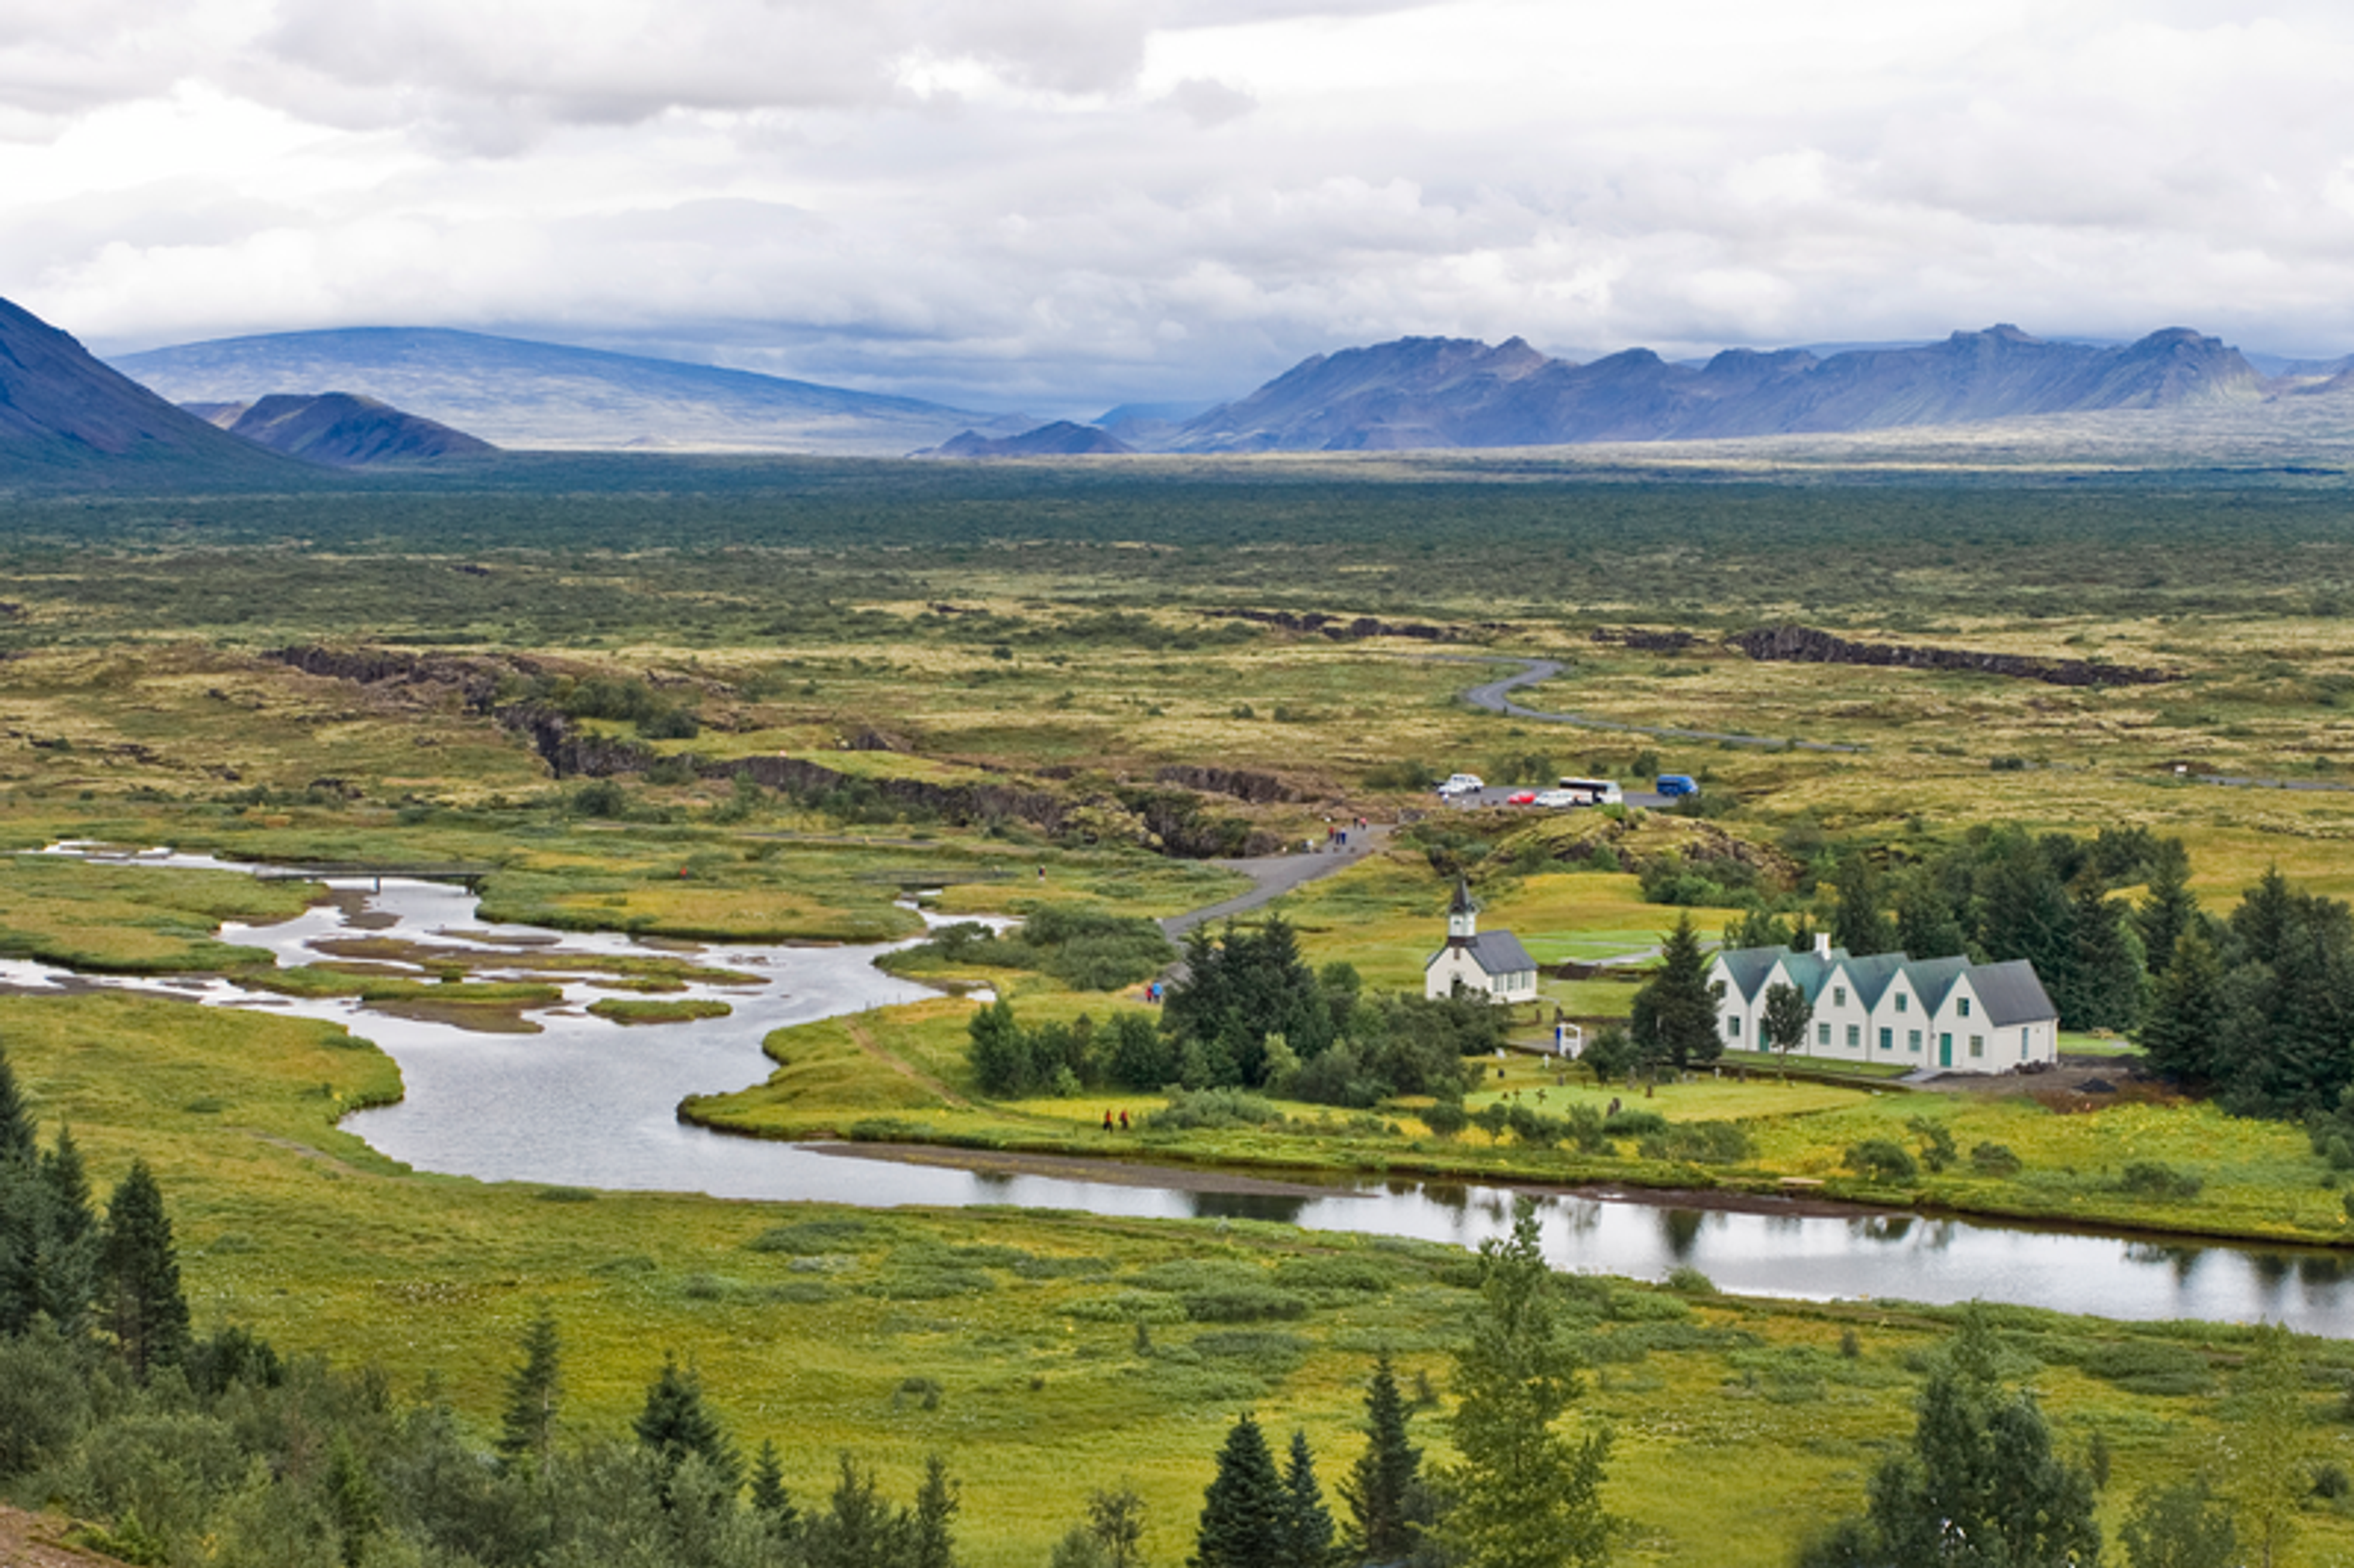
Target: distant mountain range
x=1061 y=438
x=65 y=417
x=339 y=429
x=517 y=393
x=1457 y=392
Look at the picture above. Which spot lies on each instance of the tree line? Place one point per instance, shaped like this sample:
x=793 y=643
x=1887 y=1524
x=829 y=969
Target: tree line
x=1249 y=1013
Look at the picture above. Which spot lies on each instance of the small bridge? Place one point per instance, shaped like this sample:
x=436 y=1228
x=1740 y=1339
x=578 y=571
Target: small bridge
x=471 y=874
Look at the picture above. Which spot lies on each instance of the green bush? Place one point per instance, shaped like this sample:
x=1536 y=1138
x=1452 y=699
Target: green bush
x=1244 y=1304
x=1634 y=1124
x=1994 y=1160
x=1881 y=1159
x=1698 y=1142
x=2154 y=1178
x=2156 y=1367
x=1212 y=1108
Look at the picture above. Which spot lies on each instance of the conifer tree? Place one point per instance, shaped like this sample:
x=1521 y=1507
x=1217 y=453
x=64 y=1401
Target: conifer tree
x=1244 y=1508
x=140 y=1276
x=676 y=1422
x=2183 y=1032
x=1859 y=923
x=67 y=1242
x=1307 y=1522
x=16 y=1118
x=2169 y=908
x=1674 y=1015
x=770 y=1499
x=1926 y=926
x=858 y=1528
x=2108 y=974
x=1383 y=1488
x=930 y=1544
x=535 y=1388
x=1525 y=1495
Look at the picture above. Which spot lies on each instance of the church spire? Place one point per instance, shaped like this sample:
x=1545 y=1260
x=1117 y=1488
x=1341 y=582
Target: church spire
x=1462 y=915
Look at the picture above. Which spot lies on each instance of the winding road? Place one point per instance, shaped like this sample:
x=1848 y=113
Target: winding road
x=1495 y=696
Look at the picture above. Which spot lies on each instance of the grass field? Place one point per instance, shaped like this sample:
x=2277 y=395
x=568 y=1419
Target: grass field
x=1008 y=1340
x=1063 y=645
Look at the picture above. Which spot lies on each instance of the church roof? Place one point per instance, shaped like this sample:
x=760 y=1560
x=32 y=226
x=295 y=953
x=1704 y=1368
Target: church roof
x=1496 y=953
x=1462 y=904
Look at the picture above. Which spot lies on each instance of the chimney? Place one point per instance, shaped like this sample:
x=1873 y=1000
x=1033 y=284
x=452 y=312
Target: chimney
x=1822 y=944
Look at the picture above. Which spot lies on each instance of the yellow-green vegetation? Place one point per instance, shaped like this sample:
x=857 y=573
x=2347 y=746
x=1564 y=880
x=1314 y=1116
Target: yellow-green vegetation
x=1042 y=1353
x=134 y=919
x=636 y=1009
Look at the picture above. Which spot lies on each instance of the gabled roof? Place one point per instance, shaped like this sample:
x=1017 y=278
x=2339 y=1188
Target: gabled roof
x=1933 y=979
x=1746 y=967
x=1461 y=903
x=1495 y=953
x=1869 y=976
x=2011 y=994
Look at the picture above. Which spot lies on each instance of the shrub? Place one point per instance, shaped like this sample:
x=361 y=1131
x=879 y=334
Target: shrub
x=2154 y=1178
x=2156 y=1367
x=1634 y=1124
x=1446 y=1119
x=1212 y=1108
x=1936 y=1143
x=1244 y=1304
x=1686 y=1280
x=1995 y=1159
x=1881 y=1159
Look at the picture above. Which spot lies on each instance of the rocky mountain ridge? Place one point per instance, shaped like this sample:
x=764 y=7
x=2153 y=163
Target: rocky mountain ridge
x=1454 y=392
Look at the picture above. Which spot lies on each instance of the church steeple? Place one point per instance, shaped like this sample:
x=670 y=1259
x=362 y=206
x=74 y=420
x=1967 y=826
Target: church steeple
x=1462 y=915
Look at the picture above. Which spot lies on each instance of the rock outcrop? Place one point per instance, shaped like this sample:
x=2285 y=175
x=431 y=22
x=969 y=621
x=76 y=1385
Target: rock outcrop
x=1804 y=644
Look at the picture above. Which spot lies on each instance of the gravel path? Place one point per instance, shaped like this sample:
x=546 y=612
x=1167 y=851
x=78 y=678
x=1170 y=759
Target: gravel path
x=1273 y=875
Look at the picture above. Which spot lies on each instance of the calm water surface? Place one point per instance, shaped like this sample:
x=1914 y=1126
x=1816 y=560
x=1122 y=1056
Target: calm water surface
x=588 y=1103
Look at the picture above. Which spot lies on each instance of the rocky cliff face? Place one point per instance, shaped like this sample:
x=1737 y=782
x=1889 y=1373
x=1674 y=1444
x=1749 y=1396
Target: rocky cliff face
x=1452 y=392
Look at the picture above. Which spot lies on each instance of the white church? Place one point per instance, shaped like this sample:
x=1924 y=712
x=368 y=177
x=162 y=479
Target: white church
x=1491 y=964
x=1949 y=1014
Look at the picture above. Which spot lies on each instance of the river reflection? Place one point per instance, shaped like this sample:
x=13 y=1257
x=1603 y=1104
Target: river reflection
x=586 y=1103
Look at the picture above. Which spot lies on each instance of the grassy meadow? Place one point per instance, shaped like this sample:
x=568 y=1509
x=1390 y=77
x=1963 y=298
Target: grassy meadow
x=1106 y=636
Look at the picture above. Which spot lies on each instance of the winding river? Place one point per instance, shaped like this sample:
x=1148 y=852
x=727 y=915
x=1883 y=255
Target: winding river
x=584 y=1102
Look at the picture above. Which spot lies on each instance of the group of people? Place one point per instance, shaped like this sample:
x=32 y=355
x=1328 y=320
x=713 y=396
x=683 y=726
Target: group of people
x=1108 y=1122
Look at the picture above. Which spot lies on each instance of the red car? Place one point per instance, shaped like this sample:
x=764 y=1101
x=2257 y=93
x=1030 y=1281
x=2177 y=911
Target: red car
x=1522 y=798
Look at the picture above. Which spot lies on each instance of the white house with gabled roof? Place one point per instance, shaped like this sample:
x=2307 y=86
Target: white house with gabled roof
x=1485 y=963
x=1948 y=1014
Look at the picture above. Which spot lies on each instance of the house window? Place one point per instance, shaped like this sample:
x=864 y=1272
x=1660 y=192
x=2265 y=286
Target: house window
x=2022 y=1042
x=1823 y=1033
x=1978 y=1044
x=1964 y=1003
x=1854 y=1035
x=1913 y=1041
x=1888 y=1040
x=1900 y=1001
x=1838 y=996
x=1733 y=1029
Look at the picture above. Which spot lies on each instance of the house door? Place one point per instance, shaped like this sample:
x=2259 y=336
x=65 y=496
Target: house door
x=1945 y=1049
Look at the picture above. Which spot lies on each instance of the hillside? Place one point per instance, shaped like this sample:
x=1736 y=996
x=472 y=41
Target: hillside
x=519 y=394
x=66 y=418
x=340 y=429
x=1448 y=392
x=1061 y=438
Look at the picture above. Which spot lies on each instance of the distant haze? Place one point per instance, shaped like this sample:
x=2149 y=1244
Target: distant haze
x=1060 y=205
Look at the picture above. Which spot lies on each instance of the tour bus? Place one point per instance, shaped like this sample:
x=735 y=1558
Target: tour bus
x=1593 y=792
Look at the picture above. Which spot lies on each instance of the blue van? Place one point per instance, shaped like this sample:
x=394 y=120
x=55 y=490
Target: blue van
x=1673 y=784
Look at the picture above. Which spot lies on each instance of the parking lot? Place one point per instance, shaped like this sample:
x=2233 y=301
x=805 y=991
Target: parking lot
x=1501 y=795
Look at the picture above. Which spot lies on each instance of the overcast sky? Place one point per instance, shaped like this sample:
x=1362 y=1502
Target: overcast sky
x=1057 y=205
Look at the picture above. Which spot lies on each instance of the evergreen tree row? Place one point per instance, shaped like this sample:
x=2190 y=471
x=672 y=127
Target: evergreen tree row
x=62 y=1266
x=1249 y=1013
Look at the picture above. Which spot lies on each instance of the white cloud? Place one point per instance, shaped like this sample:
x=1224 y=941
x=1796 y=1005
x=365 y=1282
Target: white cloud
x=1061 y=203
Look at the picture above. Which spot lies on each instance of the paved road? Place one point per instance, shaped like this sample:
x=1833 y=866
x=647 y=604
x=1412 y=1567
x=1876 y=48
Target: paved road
x=1274 y=875
x=1496 y=697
